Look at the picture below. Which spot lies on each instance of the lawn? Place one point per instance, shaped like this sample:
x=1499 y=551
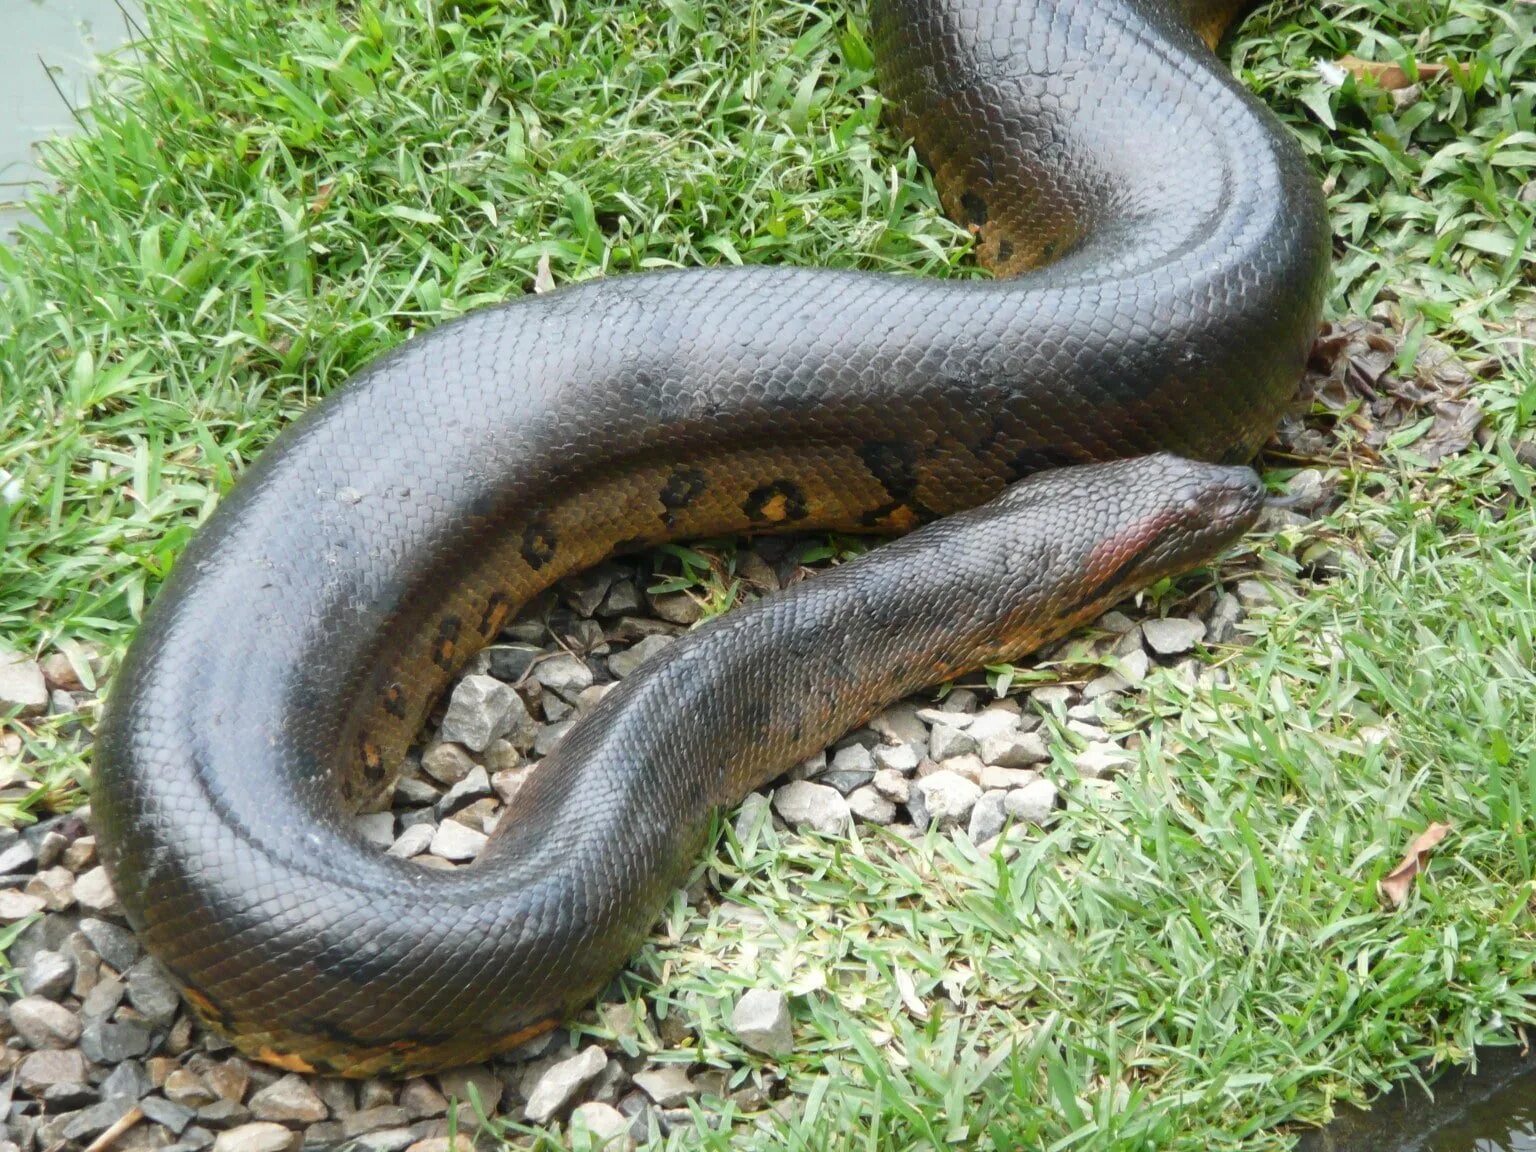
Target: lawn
x=1196 y=959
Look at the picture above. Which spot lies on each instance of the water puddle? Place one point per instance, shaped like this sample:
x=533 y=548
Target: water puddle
x=47 y=62
x=1493 y=1111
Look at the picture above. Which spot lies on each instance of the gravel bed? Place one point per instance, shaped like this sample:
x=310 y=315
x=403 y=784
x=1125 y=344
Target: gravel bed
x=97 y=1048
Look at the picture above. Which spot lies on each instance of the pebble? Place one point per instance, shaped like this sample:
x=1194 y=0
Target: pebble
x=968 y=766
x=48 y=974
x=869 y=805
x=993 y=777
x=376 y=828
x=1173 y=636
x=262 y=1136
x=560 y=1083
x=162 y=1111
x=565 y=675
x=899 y=724
x=457 y=842
x=127 y=1081
x=938 y=716
x=421 y=1101
x=945 y=742
x=753 y=814
x=44 y=1024
x=1014 y=749
x=413 y=841
x=1254 y=594
x=471 y=1083
x=289 y=1099
x=667 y=1086
x=892 y=784
x=816 y=806
x=112 y=942
x=897 y=757
x=1035 y=803
x=988 y=816
x=39 y=1070
x=605 y=1126
x=55 y=887
x=185 y=1087
x=622 y=664
x=761 y=1021
x=481 y=709
x=943 y=798
x=677 y=608
x=852 y=767
x=374 y=1120
x=447 y=763
x=475 y=785
x=18 y=857
x=151 y=992
x=16 y=905
x=108 y=1042
x=22 y=687
x=1226 y=615
x=1100 y=759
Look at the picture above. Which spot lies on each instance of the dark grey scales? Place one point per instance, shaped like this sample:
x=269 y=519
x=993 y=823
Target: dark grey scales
x=1171 y=250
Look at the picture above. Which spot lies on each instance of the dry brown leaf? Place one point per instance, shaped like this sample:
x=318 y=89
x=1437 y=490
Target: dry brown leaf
x=1388 y=76
x=1399 y=882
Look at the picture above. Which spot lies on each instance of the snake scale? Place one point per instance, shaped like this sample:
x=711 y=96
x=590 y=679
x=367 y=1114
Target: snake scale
x=1162 y=254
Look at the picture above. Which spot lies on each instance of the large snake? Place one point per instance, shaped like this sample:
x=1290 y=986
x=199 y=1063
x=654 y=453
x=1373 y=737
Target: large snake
x=1165 y=251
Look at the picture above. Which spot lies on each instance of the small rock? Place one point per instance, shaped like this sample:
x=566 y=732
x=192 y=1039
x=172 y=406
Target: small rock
x=944 y=798
x=113 y=943
x=63 y=1097
x=803 y=804
x=456 y=842
x=475 y=785
x=481 y=709
x=460 y=1143
x=159 y=1110
x=186 y=1088
x=623 y=598
x=761 y=1021
x=622 y=664
x=262 y=1136
x=899 y=724
x=374 y=1120
x=447 y=763
x=421 y=1101
x=413 y=841
x=809 y=768
x=22 y=687
x=16 y=905
x=852 y=767
x=1107 y=684
x=870 y=806
x=937 y=716
x=896 y=757
x=93 y=892
x=81 y=854
x=374 y=1093
x=565 y=675
x=1100 y=759
x=1173 y=636
x=289 y=1099
x=47 y=974
x=508 y=782
x=151 y=992
x=103 y=999
x=377 y=828
x=1253 y=594
x=892 y=785
x=604 y=1125
x=18 y=857
x=668 y=1085
x=960 y=700
x=677 y=608
x=988 y=817
x=128 y=1081
x=549 y=737
x=1226 y=615
x=968 y=766
x=1052 y=697
x=752 y=815
x=54 y=886
x=992 y=722
x=222 y=1114
x=1014 y=749
x=109 y=1042
x=39 y=1070
x=560 y=1083
x=585 y=590
x=1035 y=803
x=95 y=1120
x=1006 y=778
x=473 y=1082
x=44 y=1024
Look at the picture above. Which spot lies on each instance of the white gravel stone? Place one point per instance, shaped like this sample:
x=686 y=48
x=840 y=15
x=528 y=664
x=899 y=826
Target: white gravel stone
x=899 y=724
x=480 y=710
x=1034 y=803
x=870 y=806
x=456 y=842
x=413 y=841
x=1014 y=749
x=761 y=1021
x=896 y=757
x=93 y=892
x=893 y=785
x=753 y=814
x=992 y=722
x=987 y=817
x=21 y=684
x=803 y=804
x=560 y=1083
x=44 y=1024
x=1227 y=614
x=933 y=716
x=1173 y=636
x=970 y=766
x=1101 y=759
x=1254 y=594
x=1108 y=684
x=565 y=675
x=668 y=1086
x=946 y=742
x=604 y=1126
x=262 y=1136
x=1006 y=778
x=944 y=798
x=378 y=828
x=17 y=857
x=47 y=974
x=447 y=763
x=1053 y=696
x=621 y=664
x=291 y=1099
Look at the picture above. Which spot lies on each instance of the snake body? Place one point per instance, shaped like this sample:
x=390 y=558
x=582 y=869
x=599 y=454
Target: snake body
x=1166 y=252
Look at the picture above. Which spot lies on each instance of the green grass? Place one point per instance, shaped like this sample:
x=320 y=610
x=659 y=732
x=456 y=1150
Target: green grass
x=1193 y=960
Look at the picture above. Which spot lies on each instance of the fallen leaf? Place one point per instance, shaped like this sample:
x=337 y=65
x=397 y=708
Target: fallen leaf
x=1399 y=882
x=1388 y=76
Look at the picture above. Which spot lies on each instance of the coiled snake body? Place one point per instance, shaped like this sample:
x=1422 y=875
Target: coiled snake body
x=1167 y=251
